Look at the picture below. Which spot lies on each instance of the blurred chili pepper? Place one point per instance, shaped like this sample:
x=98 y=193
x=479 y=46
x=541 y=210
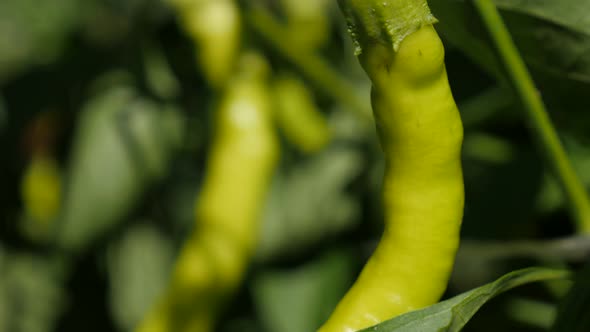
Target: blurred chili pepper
x=242 y=160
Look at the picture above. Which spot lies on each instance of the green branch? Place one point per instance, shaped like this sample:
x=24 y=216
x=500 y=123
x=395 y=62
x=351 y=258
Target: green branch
x=572 y=249
x=543 y=129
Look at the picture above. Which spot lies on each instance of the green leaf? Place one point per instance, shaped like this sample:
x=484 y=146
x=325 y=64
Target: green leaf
x=32 y=296
x=301 y=298
x=139 y=264
x=456 y=25
x=553 y=36
x=454 y=313
x=571 y=14
x=549 y=48
x=33 y=32
x=123 y=144
x=309 y=202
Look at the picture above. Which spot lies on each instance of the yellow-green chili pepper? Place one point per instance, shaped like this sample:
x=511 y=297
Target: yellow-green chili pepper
x=302 y=122
x=41 y=190
x=215 y=27
x=308 y=22
x=421 y=133
x=214 y=258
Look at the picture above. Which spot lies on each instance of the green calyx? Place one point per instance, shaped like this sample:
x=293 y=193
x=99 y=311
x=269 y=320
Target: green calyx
x=384 y=21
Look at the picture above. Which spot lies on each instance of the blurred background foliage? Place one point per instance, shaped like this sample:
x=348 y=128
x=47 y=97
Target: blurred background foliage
x=106 y=119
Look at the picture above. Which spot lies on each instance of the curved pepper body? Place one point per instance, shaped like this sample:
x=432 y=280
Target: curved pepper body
x=421 y=135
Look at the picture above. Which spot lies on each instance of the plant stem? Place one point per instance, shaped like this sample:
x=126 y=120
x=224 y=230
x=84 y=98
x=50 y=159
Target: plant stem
x=312 y=66
x=543 y=129
x=384 y=21
x=570 y=249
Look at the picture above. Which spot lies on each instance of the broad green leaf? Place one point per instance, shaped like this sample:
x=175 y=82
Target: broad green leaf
x=551 y=49
x=123 y=144
x=571 y=14
x=553 y=36
x=453 y=314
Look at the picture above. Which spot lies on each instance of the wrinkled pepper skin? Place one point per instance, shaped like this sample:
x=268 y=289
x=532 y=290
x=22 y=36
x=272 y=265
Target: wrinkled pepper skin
x=421 y=136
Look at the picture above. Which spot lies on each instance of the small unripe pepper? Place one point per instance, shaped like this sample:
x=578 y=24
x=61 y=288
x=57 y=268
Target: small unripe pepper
x=300 y=119
x=215 y=27
x=308 y=22
x=41 y=190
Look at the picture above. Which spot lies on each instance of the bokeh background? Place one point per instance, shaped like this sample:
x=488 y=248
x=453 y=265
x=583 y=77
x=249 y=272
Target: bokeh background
x=107 y=113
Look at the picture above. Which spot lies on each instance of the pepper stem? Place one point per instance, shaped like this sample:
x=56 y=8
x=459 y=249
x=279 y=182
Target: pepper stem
x=384 y=21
